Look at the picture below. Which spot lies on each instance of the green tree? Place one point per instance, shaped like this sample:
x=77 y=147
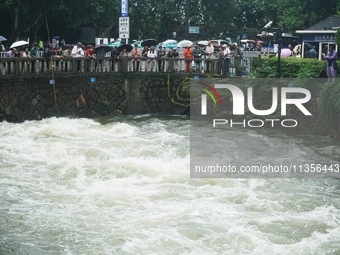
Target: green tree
x=159 y=19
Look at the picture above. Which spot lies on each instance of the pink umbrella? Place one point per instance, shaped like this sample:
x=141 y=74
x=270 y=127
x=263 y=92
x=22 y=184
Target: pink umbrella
x=286 y=53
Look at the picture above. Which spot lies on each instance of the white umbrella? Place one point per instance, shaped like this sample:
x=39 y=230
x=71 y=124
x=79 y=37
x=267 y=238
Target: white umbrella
x=202 y=43
x=169 y=41
x=2 y=38
x=170 y=44
x=18 y=44
x=184 y=43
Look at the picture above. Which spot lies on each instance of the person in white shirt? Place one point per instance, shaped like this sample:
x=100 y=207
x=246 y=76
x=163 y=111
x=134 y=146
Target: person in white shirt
x=78 y=52
x=152 y=54
x=226 y=59
x=208 y=51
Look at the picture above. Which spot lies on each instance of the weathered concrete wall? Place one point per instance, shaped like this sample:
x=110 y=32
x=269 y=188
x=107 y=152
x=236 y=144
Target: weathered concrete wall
x=27 y=97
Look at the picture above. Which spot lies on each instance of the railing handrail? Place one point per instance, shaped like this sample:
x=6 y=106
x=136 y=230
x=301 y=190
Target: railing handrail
x=67 y=64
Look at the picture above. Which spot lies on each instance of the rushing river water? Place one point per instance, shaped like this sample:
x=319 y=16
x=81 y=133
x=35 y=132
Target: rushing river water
x=122 y=186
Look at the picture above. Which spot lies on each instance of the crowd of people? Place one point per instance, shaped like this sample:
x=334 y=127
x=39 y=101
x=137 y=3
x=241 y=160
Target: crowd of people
x=155 y=58
x=148 y=58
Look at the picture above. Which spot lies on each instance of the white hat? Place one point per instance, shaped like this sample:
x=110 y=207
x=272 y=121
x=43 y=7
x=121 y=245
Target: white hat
x=224 y=45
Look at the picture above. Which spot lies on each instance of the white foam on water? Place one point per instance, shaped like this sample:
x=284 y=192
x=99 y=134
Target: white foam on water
x=76 y=186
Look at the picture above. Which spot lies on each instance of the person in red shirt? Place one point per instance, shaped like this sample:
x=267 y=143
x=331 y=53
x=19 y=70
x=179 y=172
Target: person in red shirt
x=136 y=54
x=90 y=52
x=188 y=54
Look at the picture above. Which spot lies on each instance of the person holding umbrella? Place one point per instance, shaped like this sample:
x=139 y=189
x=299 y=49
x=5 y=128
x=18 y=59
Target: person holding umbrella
x=145 y=55
x=12 y=53
x=152 y=55
x=100 y=53
x=115 y=56
x=124 y=50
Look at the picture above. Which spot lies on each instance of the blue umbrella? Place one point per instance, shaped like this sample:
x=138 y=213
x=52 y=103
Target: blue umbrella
x=57 y=37
x=2 y=38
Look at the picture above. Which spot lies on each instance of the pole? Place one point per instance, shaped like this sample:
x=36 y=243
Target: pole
x=48 y=32
x=187 y=9
x=279 y=52
x=54 y=90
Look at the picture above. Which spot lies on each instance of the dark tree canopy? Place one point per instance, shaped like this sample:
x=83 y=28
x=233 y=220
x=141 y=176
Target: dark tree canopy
x=22 y=19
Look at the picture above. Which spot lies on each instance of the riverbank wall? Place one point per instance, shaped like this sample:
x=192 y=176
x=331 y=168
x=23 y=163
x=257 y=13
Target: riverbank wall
x=94 y=95
x=88 y=96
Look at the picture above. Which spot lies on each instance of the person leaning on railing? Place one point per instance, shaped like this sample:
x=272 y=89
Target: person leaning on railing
x=34 y=53
x=12 y=53
x=115 y=56
x=152 y=55
x=208 y=52
x=68 y=54
x=78 y=52
x=188 y=54
x=145 y=55
x=135 y=53
x=58 y=59
x=197 y=52
x=124 y=57
x=161 y=63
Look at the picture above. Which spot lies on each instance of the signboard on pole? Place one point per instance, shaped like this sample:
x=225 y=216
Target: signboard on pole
x=124 y=8
x=124 y=23
x=194 y=30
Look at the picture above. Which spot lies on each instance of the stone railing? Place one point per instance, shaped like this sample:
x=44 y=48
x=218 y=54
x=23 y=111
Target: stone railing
x=34 y=66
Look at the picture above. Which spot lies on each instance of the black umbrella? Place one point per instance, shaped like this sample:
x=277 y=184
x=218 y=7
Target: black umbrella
x=149 y=42
x=128 y=47
x=103 y=47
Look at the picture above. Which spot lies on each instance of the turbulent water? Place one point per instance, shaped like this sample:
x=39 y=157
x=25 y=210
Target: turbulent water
x=122 y=186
